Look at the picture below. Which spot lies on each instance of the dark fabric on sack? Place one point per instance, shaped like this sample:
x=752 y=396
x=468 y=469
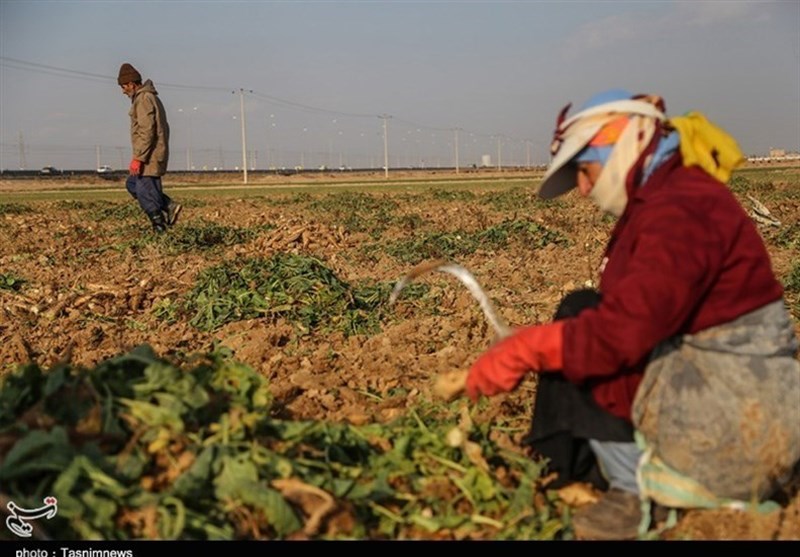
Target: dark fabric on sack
x=566 y=416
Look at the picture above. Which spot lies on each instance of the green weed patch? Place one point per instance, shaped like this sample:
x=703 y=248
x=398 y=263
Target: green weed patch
x=75 y=204
x=200 y=235
x=293 y=199
x=455 y=245
x=515 y=199
x=357 y=212
x=116 y=211
x=787 y=236
x=14 y=209
x=294 y=287
x=411 y=222
x=760 y=187
x=191 y=202
x=791 y=284
x=452 y=195
x=10 y=281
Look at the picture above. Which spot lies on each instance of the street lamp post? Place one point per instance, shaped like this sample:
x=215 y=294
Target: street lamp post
x=303 y=143
x=385 y=118
x=191 y=121
x=187 y=145
x=455 y=132
x=244 y=132
x=270 y=124
x=190 y=113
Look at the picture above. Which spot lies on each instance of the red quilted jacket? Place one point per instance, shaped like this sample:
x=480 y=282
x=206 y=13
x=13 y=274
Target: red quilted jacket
x=683 y=257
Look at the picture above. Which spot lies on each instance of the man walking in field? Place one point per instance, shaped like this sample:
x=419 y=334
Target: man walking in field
x=150 y=146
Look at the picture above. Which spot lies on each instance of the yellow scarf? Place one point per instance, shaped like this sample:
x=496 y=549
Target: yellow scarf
x=705 y=145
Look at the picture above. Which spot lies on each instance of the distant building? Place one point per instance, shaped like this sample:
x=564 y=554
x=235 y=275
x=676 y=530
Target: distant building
x=775 y=155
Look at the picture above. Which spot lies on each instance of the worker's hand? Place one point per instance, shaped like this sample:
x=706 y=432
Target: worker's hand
x=135 y=168
x=501 y=368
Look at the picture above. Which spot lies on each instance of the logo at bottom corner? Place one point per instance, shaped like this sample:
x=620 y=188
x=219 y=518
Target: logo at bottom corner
x=17 y=520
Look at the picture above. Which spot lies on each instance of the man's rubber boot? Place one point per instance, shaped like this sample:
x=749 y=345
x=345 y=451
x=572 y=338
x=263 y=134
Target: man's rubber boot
x=616 y=516
x=158 y=222
x=173 y=210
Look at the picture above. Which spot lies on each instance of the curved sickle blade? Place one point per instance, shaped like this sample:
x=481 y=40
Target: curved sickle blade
x=453 y=384
x=499 y=325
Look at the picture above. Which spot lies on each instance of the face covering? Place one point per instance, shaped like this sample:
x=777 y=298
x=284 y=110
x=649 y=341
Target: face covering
x=609 y=192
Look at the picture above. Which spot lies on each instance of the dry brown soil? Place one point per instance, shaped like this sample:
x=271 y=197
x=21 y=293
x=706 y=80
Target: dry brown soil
x=90 y=303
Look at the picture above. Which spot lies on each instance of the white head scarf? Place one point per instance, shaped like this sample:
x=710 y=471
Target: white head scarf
x=574 y=134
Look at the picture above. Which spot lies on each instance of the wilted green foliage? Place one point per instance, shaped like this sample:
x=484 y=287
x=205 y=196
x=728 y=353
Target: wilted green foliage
x=515 y=198
x=199 y=235
x=358 y=212
x=138 y=448
x=433 y=245
x=14 y=209
x=10 y=281
x=166 y=310
x=294 y=199
x=75 y=204
x=411 y=222
x=454 y=245
x=792 y=285
x=739 y=184
x=296 y=287
x=116 y=211
x=787 y=236
x=452 y=195
x=792 y=282
x=744 y=184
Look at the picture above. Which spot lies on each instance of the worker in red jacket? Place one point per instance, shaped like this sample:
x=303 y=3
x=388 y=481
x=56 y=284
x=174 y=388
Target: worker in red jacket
x=678 y=382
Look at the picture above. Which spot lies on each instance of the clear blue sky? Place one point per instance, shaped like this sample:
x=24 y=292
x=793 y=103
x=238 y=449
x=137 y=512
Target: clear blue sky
x=321 y=73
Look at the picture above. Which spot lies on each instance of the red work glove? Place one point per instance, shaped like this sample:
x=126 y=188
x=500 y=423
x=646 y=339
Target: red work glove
x=501 y=368
x=135 y=168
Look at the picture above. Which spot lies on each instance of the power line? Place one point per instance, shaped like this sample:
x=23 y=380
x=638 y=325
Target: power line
x=49 y=70
x=66 y=72
x=18 y=64
x=293 y=104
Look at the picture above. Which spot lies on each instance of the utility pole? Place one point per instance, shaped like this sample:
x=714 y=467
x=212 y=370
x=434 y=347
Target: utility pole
x=189 y=143
x=385 y=118
x=270 y=124
x=244 y=132
x=499 y=165
x=23 y=164
x=190 y=164
x=97 y=155
x=455 y=131
x=528 y=151
x=188 y=149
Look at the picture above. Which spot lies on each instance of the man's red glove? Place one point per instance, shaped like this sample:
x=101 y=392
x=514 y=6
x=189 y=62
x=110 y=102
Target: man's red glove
x=135 y=168
x=501 y=368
